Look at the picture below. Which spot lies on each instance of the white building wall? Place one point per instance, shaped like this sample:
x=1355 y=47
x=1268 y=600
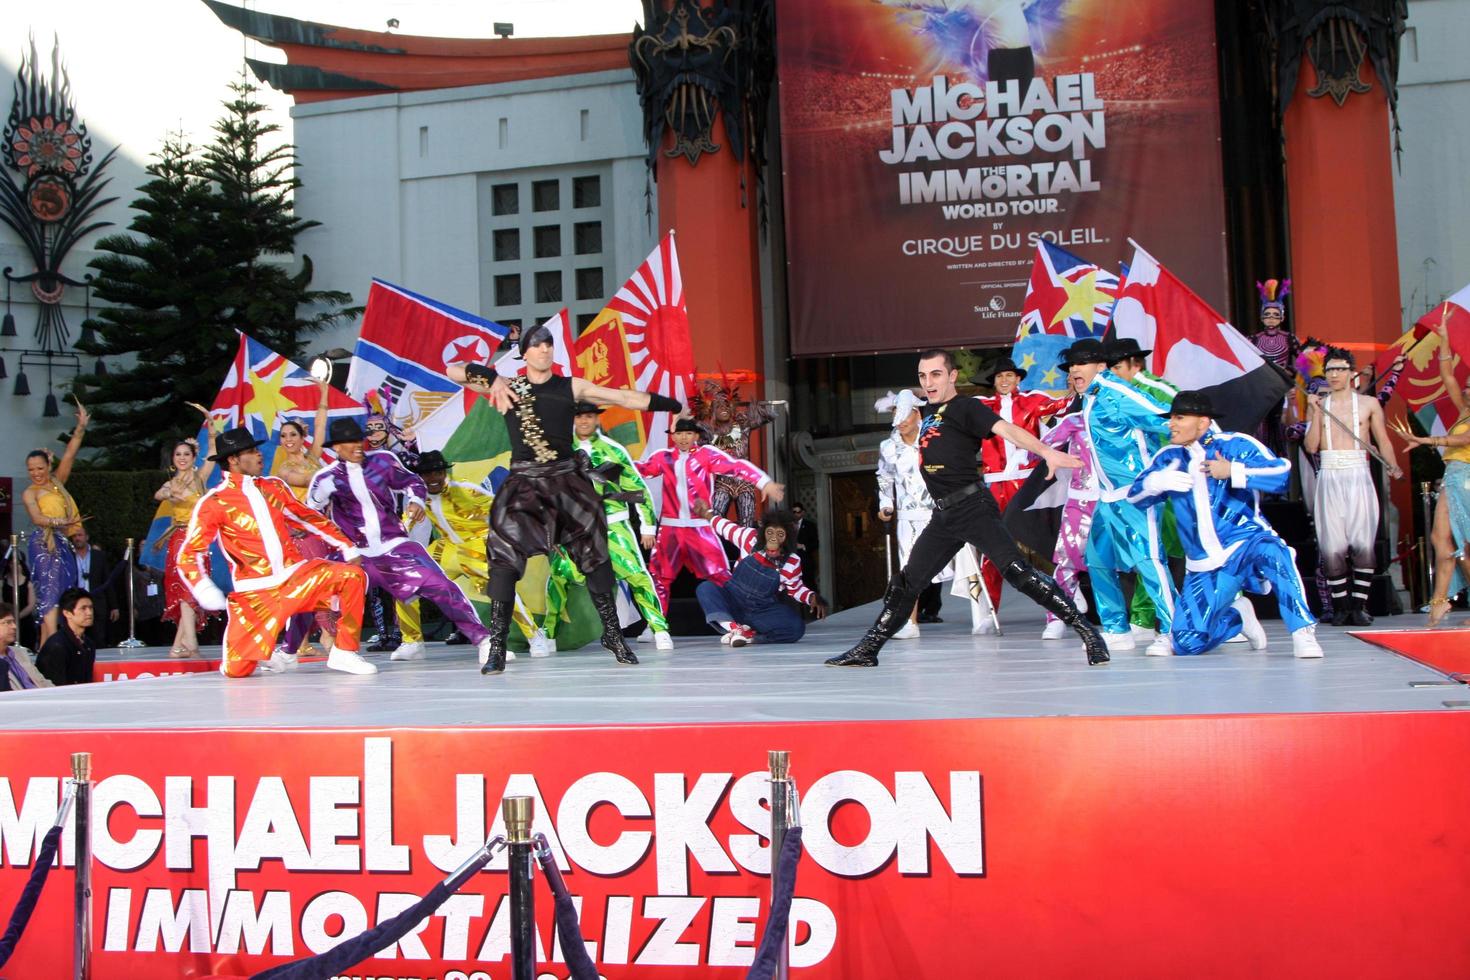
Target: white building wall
x=407 y=196
x=1431 y=192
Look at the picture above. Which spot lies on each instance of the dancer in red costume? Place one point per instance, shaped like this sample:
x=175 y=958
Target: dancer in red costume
x=1007 y=465
x=251 y=517
x=685 y=540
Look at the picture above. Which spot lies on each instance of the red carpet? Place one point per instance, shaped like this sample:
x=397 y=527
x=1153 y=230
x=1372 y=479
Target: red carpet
x=1444 y=650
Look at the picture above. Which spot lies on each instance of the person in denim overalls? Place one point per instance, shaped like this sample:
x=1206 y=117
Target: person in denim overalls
x=748 y=607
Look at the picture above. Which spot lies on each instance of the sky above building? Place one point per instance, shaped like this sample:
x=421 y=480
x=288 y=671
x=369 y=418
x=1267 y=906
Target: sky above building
x=143 y=69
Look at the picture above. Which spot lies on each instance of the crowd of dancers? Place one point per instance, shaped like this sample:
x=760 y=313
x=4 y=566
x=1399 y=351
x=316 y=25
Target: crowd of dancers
x=1148 y=474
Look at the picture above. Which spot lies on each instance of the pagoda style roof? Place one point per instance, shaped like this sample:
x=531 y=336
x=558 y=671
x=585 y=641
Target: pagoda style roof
x=325 y=62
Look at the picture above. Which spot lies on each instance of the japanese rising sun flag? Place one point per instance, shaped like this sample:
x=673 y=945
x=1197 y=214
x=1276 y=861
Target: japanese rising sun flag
x=1421 y=385
x=649 y=312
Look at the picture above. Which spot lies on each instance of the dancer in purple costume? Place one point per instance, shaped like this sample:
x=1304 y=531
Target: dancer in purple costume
x=1070 y=555
x=360 y=488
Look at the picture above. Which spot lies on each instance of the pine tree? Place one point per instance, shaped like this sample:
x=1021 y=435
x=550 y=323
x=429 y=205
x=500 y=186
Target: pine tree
x=210 y=252
x=161 y=281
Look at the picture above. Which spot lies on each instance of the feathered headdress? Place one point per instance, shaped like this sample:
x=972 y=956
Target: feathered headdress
x=1310 y=371
x=1273 y=294
x=720 y=386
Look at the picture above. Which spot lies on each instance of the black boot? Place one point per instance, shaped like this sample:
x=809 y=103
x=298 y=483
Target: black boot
x=1341 y=611
x=612 y=631
x=498 y=626
x=898 y=602
x=1044 y=591
x=1358 y=612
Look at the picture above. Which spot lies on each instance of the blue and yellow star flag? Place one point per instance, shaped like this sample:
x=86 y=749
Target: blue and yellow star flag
x=1067 y=299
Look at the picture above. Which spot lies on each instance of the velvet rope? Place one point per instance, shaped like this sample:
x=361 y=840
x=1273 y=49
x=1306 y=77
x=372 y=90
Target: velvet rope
x=342 y=956
x=767 y=956
x=573 y=946
x=26 y=904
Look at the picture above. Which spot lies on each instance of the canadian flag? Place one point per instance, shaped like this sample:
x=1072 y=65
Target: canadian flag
x=1193 y=346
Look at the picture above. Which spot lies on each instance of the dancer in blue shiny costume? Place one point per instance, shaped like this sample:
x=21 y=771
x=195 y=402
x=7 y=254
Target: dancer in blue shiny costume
x=1213 y=481
x=1123 y=424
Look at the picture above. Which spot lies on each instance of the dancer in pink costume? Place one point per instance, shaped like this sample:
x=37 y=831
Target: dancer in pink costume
x=1071 y=550
x=685 y=540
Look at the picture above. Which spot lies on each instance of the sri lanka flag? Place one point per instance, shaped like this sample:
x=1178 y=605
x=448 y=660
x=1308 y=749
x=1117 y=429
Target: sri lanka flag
x=1067 y=299
x=1421 y=385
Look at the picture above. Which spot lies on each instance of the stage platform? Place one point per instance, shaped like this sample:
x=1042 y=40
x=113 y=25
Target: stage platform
x=946 y=673
x=975 y=804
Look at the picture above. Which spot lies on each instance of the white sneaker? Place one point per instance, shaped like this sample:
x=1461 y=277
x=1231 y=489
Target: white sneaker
x=1141 y=634
x=1055 y=630
x=646 y=636
x=1238 y=638
x=408 y=651
x=277 y=663
x=1119 y=641
x=349 y=662
x=1250 y=626
x=1162 y=646
x=909 y=631
x=285 y=657
x=984 y=626
x=1304 y=645
x=541 y=645
x=725 y=638
x=661 y=640
x=484 y=651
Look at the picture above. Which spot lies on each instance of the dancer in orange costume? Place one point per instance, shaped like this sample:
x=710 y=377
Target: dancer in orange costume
x=251 y=516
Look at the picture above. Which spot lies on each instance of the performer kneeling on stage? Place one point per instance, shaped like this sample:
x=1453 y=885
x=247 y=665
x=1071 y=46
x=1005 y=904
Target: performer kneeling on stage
x=251 y=518
x=1212 y=481
x=748 y=607
x=548 y=499
x=964 y=512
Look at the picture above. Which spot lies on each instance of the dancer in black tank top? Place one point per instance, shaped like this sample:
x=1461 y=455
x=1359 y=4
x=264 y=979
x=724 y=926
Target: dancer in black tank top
x=548 y=499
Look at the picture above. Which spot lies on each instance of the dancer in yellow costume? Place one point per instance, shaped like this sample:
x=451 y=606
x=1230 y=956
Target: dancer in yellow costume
x=459 y=513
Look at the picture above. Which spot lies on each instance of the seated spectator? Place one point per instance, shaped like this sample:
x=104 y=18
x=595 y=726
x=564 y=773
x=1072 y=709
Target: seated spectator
x=67 y=657
x=17 y=673
x=753 y=606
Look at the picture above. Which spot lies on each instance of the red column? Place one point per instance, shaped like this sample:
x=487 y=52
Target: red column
x=719 y=256
x=1344 y=246
x=1344 y=250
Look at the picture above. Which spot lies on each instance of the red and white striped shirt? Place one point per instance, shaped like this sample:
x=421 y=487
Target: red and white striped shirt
x=748 y=540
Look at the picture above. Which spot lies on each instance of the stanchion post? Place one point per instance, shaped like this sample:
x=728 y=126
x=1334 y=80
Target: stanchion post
x=1426 y=560
x=779 y=763
x=518 y=812
x=15 y=575
x=81 y=774
x=132 y=642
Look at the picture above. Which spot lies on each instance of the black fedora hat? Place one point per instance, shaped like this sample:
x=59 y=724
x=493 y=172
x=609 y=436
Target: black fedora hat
x=1085 y=351
x=586 y=408
x=232 y=441
x=1121 y=348
x=1192 y=403
x=686 y=425
x=1004 y=364
x=430 y=461
x=343 y=430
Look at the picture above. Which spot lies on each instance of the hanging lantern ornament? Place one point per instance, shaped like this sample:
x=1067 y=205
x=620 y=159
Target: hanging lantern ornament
x=101 y=370
x=22 y=386
x=52 y=409
x=3 y=373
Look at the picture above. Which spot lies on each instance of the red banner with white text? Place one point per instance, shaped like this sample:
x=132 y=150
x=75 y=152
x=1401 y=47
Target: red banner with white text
x=1325 y=845
x=928 y=145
